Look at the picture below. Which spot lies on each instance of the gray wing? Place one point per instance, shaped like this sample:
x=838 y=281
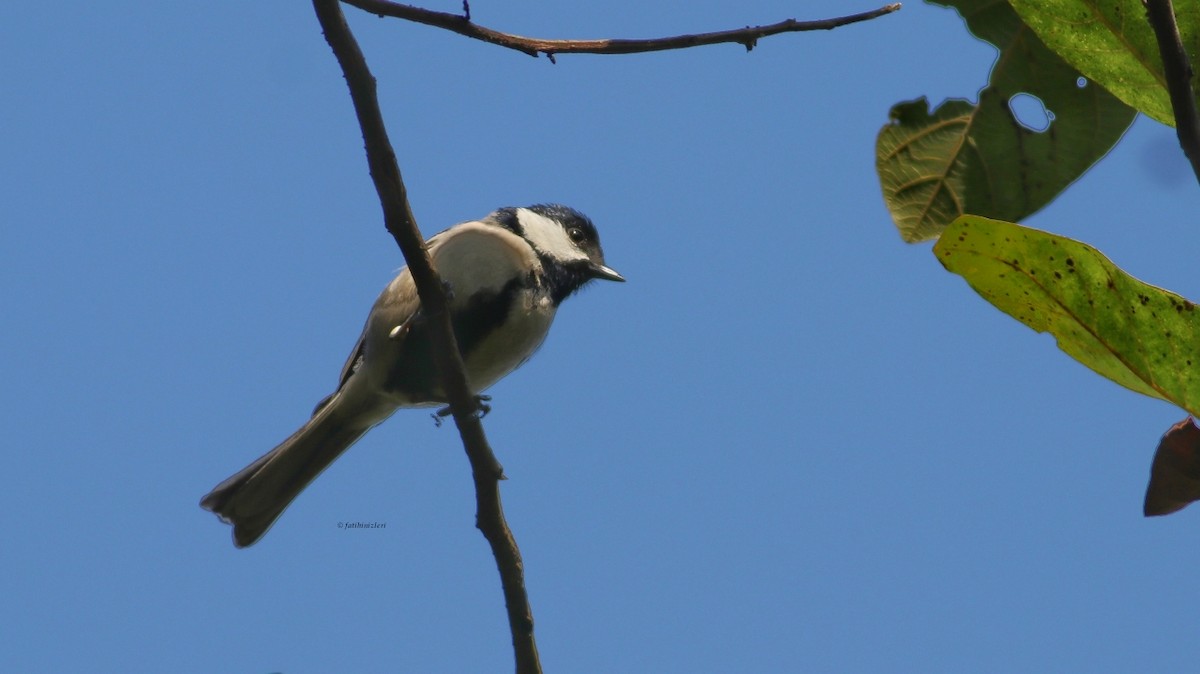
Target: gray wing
x=396 y=306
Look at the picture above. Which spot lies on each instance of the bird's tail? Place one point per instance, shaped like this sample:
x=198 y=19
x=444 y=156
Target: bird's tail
x=254 y=497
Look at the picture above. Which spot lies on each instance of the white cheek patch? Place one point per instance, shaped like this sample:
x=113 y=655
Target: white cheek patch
x=548 y=236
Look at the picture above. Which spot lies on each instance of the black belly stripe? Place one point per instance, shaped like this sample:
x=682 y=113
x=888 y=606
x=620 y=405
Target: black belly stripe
x=416 y=375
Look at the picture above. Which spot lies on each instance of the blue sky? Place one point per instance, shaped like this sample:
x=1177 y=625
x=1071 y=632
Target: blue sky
x=789 y=443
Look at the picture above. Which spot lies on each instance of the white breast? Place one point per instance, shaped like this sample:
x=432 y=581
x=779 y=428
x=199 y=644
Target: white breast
x=507 y=348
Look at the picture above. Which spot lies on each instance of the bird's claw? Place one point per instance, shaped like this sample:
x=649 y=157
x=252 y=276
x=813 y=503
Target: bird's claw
x=481 y=410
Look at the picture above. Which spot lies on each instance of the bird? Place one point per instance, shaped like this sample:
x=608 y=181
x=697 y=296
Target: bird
x=506 y=275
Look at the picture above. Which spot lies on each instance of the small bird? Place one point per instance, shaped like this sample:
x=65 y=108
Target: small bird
x=506 y=275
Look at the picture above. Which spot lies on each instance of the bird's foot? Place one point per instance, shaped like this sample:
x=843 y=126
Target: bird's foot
x=481 y=410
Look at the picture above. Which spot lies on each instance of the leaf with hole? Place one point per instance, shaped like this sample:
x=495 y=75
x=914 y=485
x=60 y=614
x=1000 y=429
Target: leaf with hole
x=1111 y=43
x=979 y=159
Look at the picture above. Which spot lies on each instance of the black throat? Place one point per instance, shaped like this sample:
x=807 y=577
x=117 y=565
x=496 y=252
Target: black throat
x=564 y=280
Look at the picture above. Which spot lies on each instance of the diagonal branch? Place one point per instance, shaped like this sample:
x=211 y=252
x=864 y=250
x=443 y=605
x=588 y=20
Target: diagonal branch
x=461 y=24
x=1178 y=72
x=398 y=217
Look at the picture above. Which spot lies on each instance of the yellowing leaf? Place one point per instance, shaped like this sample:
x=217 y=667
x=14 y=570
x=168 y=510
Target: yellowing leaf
x=1142 y=337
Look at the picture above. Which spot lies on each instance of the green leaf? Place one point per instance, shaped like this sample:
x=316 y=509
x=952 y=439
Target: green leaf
x=979 y=159
x=1111 y=42
x=1142 y=337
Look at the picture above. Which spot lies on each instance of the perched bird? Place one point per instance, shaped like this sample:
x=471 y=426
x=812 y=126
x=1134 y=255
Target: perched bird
x=506 y=276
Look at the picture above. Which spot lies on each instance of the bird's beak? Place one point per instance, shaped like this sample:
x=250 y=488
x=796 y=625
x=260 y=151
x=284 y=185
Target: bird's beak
x=606 y=273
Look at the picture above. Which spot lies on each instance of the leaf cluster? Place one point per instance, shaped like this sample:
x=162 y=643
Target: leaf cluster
x=965 y=173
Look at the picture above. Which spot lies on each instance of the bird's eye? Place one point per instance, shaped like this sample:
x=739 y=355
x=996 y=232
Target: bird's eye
x=576 y=234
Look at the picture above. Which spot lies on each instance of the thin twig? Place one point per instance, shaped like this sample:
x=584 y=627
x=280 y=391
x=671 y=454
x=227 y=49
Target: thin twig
x=397 y=214
x=747 y=37
x=1178 y=72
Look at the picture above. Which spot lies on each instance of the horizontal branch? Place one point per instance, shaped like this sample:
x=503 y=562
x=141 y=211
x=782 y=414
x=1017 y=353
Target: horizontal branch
x=747 y=37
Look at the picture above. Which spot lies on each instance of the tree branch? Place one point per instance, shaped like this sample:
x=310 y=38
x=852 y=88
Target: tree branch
x=461 y=24
x=1178 y=72
x=398 y=217
x=399 y=220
